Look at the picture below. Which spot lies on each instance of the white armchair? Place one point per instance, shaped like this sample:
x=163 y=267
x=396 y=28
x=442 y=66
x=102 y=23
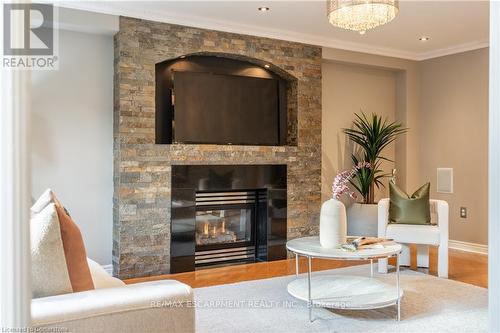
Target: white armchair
x=423 y=235
x=158 y=306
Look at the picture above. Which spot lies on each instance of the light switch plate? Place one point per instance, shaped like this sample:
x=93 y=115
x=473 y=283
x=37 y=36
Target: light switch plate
x=463 y=212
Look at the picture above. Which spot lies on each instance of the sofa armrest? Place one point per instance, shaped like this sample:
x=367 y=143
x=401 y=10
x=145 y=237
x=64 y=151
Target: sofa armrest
x=383 y=217
x=158 y=306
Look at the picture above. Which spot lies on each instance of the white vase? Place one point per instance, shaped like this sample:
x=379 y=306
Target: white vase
x=363 y=220
x=332 y=224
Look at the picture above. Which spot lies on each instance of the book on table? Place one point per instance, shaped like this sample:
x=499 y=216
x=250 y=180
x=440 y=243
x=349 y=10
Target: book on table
x=361 y=243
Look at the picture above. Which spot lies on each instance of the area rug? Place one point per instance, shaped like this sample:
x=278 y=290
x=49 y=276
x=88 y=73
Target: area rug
x=430 y=304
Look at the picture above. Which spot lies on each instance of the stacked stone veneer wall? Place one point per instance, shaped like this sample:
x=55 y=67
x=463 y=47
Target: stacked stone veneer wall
x=142 y=169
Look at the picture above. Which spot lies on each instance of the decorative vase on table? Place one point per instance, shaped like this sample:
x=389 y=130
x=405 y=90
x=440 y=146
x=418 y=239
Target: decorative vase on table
x=332 y=223
x=333 y=217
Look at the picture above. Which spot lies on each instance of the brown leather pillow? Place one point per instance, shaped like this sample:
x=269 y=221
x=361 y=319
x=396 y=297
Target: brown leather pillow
x=74 y=251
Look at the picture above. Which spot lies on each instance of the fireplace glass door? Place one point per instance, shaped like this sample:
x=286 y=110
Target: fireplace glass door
x=221 y=226
x=225 y=225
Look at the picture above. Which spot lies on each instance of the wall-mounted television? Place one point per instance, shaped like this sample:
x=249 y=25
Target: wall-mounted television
x=214 y=100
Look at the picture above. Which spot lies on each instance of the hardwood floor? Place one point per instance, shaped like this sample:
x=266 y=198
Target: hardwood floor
x=463 y=266
x=468 y=267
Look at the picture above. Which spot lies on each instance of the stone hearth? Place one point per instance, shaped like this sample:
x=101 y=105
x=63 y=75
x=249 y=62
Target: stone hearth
x=142 y=169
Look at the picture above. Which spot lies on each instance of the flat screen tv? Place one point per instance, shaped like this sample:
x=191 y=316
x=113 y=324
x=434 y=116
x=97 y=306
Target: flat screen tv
x=216 y=100
x=225 y=109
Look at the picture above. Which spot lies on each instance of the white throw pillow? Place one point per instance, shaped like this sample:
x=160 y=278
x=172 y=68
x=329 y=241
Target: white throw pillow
x=42 y=202
x=101 y=278
x=49 y=271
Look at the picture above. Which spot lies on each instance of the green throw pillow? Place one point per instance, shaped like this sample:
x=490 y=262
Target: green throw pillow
x=404 y=209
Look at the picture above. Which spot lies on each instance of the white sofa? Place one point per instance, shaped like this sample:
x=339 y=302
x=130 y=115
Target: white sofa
x=423 y=235
x=159 y=306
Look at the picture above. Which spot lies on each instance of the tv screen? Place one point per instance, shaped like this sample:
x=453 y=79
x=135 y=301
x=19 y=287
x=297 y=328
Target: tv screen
x=225 y=109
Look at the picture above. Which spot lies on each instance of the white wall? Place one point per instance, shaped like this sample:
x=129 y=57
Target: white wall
x=72 y=133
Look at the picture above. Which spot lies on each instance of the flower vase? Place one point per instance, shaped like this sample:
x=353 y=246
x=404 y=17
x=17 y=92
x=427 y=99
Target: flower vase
x=332 y=224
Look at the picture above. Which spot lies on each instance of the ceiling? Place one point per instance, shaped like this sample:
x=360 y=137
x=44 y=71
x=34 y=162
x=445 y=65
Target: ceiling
x=453 y=26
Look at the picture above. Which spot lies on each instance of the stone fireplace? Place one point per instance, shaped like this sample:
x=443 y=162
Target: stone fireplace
x=143 y=170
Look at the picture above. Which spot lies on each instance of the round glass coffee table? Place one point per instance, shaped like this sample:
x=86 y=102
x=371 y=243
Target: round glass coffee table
x=348 y=292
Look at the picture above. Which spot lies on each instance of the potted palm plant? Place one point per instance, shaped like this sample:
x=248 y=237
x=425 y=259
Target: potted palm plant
x=371 y=135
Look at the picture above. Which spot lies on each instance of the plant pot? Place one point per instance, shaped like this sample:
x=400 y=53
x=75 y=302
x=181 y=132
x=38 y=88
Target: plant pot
x=362 y=220
x=332 y=224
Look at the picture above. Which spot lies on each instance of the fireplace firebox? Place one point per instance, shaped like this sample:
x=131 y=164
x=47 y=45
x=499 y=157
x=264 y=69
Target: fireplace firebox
x=225 y=225
x=227 y=214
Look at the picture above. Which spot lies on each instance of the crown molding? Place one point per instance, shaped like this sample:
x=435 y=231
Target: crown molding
x=76 y=20
x=452 y=50
x=113 y=8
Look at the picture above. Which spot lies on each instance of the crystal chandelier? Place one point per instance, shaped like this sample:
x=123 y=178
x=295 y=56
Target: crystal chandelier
x=361 y=15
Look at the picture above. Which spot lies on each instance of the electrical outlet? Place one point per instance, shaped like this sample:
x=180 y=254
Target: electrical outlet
x=463 y=212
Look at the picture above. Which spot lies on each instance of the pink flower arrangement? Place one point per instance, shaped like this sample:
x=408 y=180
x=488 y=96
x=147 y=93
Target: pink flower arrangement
x=340 y=184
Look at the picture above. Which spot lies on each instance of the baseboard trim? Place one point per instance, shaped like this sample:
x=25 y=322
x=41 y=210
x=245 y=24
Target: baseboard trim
x=108 y=269
x=468 y=247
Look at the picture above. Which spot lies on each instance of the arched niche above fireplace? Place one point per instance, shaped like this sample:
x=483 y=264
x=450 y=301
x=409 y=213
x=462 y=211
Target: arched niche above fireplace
x=224 y=99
